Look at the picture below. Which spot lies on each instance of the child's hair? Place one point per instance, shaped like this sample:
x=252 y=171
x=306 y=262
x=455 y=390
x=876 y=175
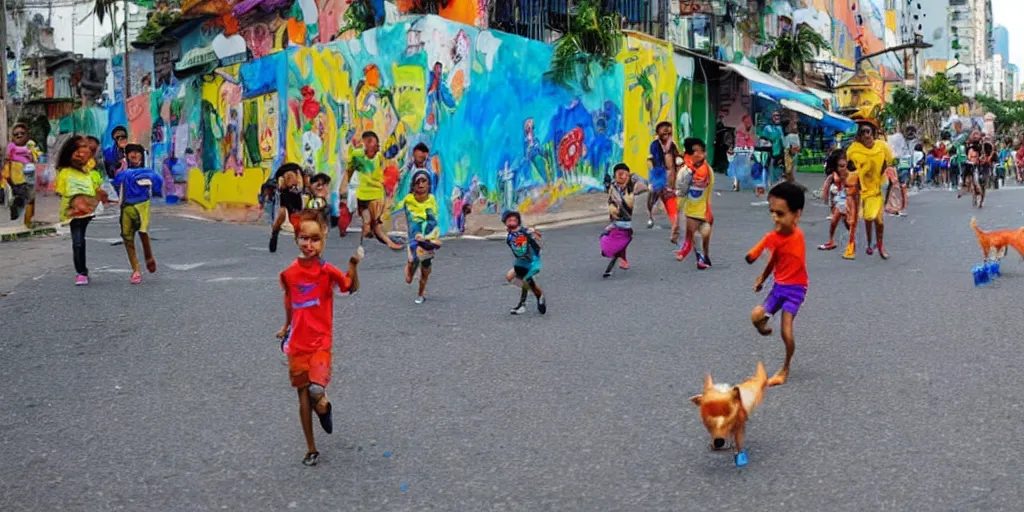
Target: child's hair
x=791 y=193
x=663 y=124
x=691 y=143
x=369 y=134
x=309 y=215
x=919 y=147
x=511 y=213
x=832 y=165
x=419 y=147
x=93 y=139
x=23 y=126
x=289 y=167
x=68 y=149
x=621 y=166
x=134 y=148
x=321 y=178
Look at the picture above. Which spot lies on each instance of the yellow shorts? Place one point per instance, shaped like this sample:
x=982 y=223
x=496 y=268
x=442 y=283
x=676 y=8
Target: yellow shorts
x=871 y=208
x=134 y=218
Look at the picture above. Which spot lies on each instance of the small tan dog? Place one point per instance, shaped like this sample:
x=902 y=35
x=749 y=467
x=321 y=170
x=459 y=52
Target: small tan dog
x=724 y=409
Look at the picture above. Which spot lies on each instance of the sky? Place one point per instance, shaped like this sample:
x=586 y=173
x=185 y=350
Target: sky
x=1008 y=13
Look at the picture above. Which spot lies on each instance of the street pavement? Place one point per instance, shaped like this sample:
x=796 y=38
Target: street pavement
x=174 y=395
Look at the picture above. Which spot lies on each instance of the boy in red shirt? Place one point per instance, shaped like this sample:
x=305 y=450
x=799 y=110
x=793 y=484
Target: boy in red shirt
x=309 y=317
x=788 y=263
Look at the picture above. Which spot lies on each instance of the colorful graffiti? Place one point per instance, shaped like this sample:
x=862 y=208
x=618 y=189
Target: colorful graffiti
x=650 y=87
x=429 y=80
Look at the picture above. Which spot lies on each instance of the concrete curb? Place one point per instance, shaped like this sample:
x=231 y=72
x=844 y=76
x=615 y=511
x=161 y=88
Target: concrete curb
x=24 y=233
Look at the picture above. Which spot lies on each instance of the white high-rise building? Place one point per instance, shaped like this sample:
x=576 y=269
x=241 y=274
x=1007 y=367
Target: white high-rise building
x=970 y=27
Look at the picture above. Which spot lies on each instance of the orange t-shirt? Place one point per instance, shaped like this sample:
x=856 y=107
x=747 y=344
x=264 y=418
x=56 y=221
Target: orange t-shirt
x=789 y=253
x=308 y=288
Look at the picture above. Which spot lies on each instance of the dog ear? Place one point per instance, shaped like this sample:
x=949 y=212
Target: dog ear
x=736 y=395
x=696 y=399
x=708 y=383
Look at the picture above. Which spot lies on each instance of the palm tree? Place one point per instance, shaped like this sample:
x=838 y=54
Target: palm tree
x=103 y=8
x=790 y=52
x=594 y=36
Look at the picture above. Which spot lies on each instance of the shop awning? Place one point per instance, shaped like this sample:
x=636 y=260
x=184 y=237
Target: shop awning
x=825 y=119
x=774 y=87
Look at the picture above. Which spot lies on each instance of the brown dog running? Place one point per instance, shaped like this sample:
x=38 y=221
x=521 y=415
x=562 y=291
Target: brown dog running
x=999 y=240
x=724 y=409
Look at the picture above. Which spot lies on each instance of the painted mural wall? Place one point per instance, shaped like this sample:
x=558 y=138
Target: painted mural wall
x=650 y=81
x=424 y=80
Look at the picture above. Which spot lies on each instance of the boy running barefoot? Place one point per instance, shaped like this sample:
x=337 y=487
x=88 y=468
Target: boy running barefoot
x=525 y=245
x=306 y=337
x=788 y=263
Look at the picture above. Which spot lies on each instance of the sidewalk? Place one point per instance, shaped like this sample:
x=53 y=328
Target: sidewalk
x=45 y=221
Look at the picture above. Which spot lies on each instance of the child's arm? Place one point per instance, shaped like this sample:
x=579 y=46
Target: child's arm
x=768 y=269
x=825 y=192
x=287 y=309
x=755 y=252
x=353 y=269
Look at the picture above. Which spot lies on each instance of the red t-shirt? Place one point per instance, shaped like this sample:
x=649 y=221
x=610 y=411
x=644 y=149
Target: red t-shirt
x=789 y=253
x=308 y=288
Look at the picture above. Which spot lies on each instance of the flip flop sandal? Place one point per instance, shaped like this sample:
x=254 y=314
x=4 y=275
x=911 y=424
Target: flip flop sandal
x=311 y=459
x=827 y=247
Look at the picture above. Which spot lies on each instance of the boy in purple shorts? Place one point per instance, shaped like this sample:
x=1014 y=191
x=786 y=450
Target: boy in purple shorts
x=788 y=264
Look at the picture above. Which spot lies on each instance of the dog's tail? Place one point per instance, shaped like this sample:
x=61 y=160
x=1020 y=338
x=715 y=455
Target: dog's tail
x=974 y=226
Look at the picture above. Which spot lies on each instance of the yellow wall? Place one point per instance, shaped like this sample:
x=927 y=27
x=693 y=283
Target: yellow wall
x=650 y=85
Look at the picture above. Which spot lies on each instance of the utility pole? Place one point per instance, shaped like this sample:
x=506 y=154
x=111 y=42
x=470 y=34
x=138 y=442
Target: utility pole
x=3 y=87
x=127 y=67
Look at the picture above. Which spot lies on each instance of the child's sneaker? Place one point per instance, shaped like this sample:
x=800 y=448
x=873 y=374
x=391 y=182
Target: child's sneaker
x=519 y=310
x=703 y=263
x=136 y=278
x=851 y=252
x=684 y=251
x=420 y=299
x=311 y=459
x=542 y=305
x=871 y=250
x=650 y=223
x=81 y=280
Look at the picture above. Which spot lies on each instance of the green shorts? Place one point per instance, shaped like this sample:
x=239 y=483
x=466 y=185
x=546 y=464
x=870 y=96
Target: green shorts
x=134 y=219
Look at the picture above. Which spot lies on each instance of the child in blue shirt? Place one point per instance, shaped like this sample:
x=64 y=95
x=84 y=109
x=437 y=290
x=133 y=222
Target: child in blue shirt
x=136 y=185
x=525 y=245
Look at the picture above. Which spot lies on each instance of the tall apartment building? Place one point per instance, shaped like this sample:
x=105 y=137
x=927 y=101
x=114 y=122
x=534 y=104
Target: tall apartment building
x=970 y=28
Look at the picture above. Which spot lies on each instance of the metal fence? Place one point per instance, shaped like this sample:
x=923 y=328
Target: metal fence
x=546 y=20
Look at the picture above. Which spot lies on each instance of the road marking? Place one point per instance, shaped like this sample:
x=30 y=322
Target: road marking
x=185 y=267
x=193 y=217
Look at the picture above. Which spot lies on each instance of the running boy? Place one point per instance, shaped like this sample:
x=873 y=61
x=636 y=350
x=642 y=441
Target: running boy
x=136 y=186
x=788 y=264
x=662 y=162
x=699 y=183
x=289 y=199
x=308 y=286
x=421 y=215
x=525 y=245
x=368 y=162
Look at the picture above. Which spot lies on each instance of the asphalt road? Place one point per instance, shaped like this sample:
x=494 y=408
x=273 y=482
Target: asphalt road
x=173 y=395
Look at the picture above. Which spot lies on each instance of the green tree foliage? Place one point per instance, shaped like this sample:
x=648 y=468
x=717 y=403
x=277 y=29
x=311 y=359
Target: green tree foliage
x=1009 y=114
x=925 y=108
x=594 y=38
x=790 y=53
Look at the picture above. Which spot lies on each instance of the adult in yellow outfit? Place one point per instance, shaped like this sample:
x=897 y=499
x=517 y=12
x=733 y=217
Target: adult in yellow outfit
x=870 y=158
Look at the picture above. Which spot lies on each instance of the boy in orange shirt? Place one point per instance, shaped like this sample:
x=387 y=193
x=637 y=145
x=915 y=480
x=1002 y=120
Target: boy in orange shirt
x=309 y=317
x=788 y=263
